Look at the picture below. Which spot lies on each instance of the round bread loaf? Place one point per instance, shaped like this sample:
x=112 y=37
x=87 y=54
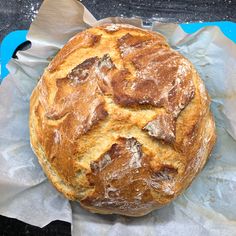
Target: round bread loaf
x=121 y=122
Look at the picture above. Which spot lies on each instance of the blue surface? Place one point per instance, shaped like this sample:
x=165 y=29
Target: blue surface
x=15 y=38
x=8 y=46
x=228 y=28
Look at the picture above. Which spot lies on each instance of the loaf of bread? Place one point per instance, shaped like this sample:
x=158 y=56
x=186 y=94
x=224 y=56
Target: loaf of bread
x=120 y=122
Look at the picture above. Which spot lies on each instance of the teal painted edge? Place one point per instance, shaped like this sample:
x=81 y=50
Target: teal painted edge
x=15 y=38
x=228 y=28
x=8 y=46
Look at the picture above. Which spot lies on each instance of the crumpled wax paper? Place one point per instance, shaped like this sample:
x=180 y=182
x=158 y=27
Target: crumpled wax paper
x=207 y=207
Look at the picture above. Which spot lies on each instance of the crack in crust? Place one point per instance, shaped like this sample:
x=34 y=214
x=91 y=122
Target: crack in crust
x=162 y=127
x=122 y=178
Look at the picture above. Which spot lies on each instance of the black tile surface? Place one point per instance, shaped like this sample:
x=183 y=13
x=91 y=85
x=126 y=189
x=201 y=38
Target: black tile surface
x=18 y=14
x=13 y=227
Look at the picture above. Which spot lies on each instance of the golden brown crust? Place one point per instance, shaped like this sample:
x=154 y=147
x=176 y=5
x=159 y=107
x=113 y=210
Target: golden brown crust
x=121 y=122
x=82 y=40
x=123 y=180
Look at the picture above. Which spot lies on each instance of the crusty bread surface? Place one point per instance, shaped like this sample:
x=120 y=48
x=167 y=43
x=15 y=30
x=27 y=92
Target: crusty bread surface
x=121 y=122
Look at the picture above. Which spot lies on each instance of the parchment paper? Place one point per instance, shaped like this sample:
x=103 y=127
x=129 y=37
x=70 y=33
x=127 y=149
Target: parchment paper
x=208 y=207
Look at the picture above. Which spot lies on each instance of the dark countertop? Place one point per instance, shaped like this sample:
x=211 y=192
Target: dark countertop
x=18 y=14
